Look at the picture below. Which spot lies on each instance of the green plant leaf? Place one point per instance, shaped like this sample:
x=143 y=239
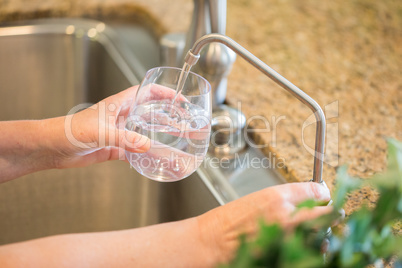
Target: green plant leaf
x=389 y=184
x=309 y=203
x=244 y=256
x=395 y=159
x=345 y=184
x=296 y=254
x=367 y=235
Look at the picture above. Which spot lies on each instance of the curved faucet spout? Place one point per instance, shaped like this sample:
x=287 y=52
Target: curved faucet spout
x=193 y=55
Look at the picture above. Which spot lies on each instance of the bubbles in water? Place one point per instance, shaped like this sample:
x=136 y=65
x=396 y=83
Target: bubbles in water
x=165 y=162
x=193 y=124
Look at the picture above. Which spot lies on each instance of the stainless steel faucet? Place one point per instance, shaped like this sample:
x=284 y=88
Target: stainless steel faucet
x=193 y=55
x=216 y=60
x=207 y=44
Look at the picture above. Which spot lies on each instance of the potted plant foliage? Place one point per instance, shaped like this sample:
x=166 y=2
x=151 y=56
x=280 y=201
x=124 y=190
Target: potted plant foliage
x=365 y=238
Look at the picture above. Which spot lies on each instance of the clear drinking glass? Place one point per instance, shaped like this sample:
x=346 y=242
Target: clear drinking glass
x=179 y=131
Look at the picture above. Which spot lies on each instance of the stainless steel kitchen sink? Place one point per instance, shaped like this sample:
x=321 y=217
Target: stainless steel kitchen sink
x=49 y=66
x=46 y=68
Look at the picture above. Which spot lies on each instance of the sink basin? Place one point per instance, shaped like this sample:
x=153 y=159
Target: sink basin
x=46 y=68
x=49 y=66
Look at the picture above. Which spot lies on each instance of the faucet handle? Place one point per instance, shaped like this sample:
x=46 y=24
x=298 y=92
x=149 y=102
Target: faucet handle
x=200 y=23
x=280 y=80
x=215 y=64
x=171 y=49
x=217 y=14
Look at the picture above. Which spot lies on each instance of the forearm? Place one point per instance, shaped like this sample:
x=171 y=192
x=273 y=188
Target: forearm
x=25 y=147
x=175 y=244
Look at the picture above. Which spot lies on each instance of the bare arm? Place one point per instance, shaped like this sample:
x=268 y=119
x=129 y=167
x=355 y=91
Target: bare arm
x=165 y=245
x=203 y=241
x=206 y=240
x=93 y=135
x=22 y=148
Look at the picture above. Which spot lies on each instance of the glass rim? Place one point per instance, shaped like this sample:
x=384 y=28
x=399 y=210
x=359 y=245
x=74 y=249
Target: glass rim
x=190 y=72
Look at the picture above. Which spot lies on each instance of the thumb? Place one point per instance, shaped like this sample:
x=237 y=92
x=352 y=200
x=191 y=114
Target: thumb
x=132 y=141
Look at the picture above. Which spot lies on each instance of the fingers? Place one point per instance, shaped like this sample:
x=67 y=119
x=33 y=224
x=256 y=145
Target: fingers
x=122 y=101
x=109 y=133
x=296 y=193
x=158 y=92
x=309 y=214
x=340 y=219
x=162 y=92
x=110 y=153
x=133 y=141
x=125 y=139
x=127 y=98
x=128 y=93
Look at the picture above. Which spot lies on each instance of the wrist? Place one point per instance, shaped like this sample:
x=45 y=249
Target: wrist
x=41 y=147
x=47 y=141
x=58 y=141
x=50 y=140
x=217 y=237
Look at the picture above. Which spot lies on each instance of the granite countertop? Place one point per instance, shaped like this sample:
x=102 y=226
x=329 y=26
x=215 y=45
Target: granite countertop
x=346 y=55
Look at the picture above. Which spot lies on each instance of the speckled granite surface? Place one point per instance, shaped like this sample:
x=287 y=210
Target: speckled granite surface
x=346 y=55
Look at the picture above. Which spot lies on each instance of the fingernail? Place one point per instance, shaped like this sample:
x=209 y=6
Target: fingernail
x=141 y=150
x=325 y=191
x=324 y=184
x=340 y=219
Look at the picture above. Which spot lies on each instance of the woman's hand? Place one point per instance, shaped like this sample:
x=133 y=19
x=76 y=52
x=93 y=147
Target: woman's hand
x=221 y=227
x=203 y=241
x=93 y=135
x=97 y=134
